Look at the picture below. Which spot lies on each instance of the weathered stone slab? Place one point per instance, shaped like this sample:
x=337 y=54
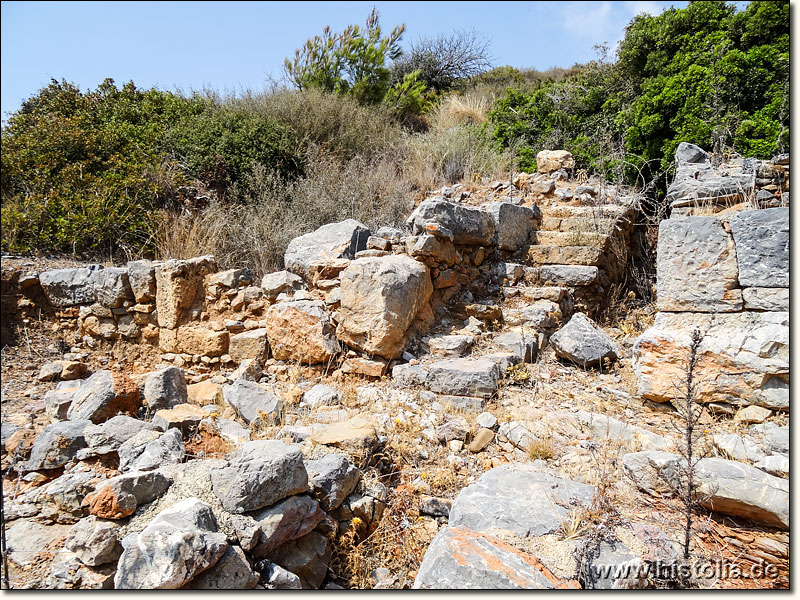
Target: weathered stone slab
x=461 y=559
x=697 y=269
x=520 y=500
x=301 y=330
x=249 y=344
x=469 y=226
x=730 y=487
x=112 y=286
x=449 y=345
x=179 y=288
x=142 y=279
x=744 y=357
x=261 y=473
x=335 y=240
x=762 y=247
x=464 y=377
x=69 y=287
x=513 y=225
x=767 y=299
x=569 y=275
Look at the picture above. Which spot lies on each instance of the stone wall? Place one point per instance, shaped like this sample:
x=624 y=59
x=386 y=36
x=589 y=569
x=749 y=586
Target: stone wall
x=706 y=184
x=727 y=276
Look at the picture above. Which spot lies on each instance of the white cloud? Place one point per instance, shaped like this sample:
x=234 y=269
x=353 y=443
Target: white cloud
x=588 y=20
x=643 y=6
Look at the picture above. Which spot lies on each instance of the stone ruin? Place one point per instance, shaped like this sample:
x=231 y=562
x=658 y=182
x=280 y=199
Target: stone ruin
x=514 y=267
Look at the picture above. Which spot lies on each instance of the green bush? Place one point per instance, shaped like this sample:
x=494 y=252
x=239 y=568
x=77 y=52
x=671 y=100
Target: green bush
x=84 y=172
x=705 y=74
x=221 y=145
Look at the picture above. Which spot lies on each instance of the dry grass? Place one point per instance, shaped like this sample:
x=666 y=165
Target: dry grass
x=540 y=448
x=398 y=544
x=254 y=226
x=469 y=109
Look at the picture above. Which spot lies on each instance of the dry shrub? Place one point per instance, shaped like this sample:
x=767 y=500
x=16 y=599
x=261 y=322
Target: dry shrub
x=254 y=226
x=398 y=544
x=540 y=448
x=469 y=109
x=339 y=124
x=444 y=156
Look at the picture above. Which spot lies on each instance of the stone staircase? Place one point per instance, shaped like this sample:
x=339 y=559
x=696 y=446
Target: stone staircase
x=579 y=252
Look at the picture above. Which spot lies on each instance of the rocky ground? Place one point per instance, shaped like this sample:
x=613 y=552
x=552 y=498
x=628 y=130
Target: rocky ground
x=487 y=433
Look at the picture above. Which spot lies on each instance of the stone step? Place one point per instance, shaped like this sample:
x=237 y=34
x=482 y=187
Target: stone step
x=532 y=294
x=578 y=224
x=568 y=275
x=565 y=255
x=570 y=238
x=603 y=211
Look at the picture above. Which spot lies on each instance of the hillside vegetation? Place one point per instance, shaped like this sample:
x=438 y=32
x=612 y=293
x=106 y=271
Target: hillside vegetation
x=363 y=128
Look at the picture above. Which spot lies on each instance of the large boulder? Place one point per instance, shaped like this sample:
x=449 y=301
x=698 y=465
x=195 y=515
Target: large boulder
x=178 y=544
x=165 y=389
x=762 y=247
x=109 y=436
x=697 y=268
x=584 y=343
x=301 y=330
x=112 y=286
x=69 y=287
x=743 y=357
x=104 y=395
x=469 y=226
x=335 y=240
x=513 y=225
x=520 y=500
x=461 y=559
x=260 y=473
x=380 y=297
x=180 y=289
x=725 y=486
x=548 y=161
x=118 y=497
x=56 y=445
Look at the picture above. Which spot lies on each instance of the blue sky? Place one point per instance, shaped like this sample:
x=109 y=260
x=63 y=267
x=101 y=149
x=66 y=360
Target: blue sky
x=229 y=46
